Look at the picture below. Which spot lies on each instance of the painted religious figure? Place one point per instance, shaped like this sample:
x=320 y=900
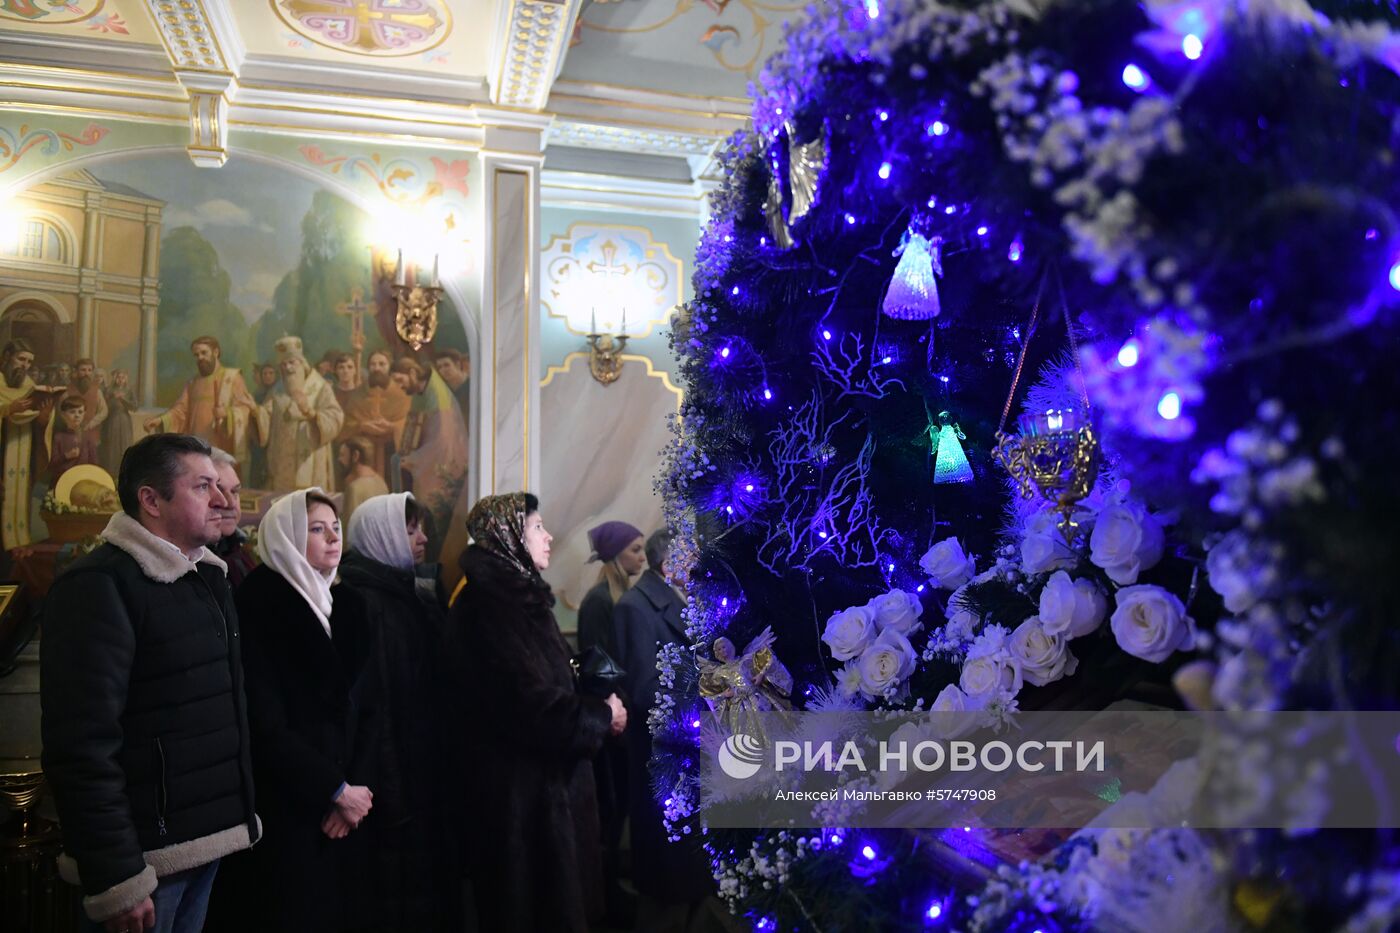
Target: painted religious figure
x=214 y=405
x=19 y=408
x=298 y=421
x=85 y=387
x=433 y=449
x=375 y=412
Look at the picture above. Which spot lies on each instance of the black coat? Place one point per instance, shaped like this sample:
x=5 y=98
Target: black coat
x=419 y=887
x=313 y=706
x=647 y=617
x=144 y=724
x=595 y=621
x=532 y=818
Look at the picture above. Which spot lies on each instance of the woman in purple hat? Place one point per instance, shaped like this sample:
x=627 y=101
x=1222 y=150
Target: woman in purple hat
x=620 y=548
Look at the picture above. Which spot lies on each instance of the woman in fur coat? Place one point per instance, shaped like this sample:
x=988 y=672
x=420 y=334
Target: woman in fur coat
x=527 y=734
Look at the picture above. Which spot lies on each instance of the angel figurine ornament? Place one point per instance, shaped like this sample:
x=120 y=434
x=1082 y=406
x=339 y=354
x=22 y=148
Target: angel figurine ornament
x=739 y=687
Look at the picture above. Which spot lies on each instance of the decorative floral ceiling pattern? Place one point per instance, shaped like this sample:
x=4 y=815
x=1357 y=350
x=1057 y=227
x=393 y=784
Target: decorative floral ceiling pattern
x=377 y=28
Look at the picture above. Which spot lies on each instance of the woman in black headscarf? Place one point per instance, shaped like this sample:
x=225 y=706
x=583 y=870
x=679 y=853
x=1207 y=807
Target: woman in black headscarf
x=531 y=824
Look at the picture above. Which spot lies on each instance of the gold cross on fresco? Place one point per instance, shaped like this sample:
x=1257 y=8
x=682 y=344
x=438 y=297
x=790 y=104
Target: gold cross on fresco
x=608 y=267
x=365 y=26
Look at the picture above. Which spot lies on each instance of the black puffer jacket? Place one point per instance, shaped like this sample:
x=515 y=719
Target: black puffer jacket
x=144 y=724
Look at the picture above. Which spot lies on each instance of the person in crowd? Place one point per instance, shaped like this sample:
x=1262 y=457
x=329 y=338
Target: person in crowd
x=214 y=404
x=312 y=706
x=361 y=482
x=526 y=732
x=455 y=368
x=298 y=422
x=145 y=728
x=86 y=387
x=419 y=884
x=117 y=429
x=673 y=879
x=232 y=546
x=71 y=444
x=619 y=547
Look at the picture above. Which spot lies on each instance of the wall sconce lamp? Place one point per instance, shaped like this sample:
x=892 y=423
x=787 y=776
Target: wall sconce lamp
x=605 y=351
x=416 y=317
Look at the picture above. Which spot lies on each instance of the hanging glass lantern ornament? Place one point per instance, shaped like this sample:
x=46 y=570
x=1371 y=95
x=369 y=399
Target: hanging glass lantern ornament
x=1056 y=453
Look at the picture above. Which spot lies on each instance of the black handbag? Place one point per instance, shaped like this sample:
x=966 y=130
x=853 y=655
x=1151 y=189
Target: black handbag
x=597 y=673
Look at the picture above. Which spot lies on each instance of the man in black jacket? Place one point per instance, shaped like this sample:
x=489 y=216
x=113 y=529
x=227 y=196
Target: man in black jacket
x=144 y=724
x=673 y=879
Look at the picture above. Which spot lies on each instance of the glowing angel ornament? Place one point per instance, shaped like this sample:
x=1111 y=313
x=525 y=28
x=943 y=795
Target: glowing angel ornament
x=913 y=290
x=949 y=461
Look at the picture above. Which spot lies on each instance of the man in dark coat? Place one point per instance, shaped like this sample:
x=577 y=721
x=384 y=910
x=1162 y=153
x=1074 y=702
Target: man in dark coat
x=672 y=878
x=144 y=724
x=232 y=546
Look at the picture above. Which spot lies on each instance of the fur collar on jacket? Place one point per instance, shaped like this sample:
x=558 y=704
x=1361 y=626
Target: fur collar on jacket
x=157 y=558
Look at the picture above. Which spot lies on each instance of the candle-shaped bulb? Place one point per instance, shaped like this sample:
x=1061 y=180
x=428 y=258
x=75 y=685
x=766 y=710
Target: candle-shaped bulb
x=437 y=282
x=593 y=321
x=622 y=330
x=400 y=273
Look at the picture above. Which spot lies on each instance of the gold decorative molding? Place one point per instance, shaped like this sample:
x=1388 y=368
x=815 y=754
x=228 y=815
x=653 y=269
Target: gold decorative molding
x=208 y=146
x=627 y=139
x=652 y=372
x=535 y=41
x=188 y=33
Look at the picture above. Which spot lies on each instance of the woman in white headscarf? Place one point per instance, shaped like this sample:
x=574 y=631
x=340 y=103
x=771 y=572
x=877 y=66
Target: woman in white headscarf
x=313 y=713
x=418 y=883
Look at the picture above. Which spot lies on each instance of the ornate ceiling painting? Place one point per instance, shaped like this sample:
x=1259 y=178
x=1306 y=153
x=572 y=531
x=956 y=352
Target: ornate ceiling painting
x=735 y=32
x=613 y=275
x=375 y=28
x=82 y=16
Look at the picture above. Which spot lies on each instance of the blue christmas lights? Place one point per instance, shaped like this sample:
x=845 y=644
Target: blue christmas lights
x=1135 y=78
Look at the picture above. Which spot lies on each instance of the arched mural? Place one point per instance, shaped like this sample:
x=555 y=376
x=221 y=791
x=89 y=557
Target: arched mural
x=251 y=305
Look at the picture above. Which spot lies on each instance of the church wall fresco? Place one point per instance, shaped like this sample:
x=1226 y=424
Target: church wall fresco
x=285 y=256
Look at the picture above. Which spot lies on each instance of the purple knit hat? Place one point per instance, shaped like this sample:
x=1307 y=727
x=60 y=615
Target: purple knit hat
x=610 y=539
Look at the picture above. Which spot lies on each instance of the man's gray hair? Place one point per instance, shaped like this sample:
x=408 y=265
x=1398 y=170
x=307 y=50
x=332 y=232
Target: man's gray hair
x=657 y=547
x=222 y=457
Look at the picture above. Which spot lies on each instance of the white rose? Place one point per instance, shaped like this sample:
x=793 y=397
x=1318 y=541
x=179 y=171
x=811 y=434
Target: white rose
x=909 y=734
x=988 y=675
x=1125 y=541
x=1241 y=575
x=947 y=565
x=1044 y=657
x=1151 y=623
x=954 y=702
x=849 y=631
x=897 y=609
x=1043 y=546
x=885 y=663
x=1071 y=607
x=950 y=700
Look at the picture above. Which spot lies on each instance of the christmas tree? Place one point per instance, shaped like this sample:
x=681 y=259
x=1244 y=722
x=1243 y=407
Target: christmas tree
x=1160 y=236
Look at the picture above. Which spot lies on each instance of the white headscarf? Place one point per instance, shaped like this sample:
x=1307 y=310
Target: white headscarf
x=378 y=530
x=282 y=546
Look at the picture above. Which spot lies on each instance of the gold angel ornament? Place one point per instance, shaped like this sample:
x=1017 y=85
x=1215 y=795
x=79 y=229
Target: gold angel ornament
x=740 y=686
